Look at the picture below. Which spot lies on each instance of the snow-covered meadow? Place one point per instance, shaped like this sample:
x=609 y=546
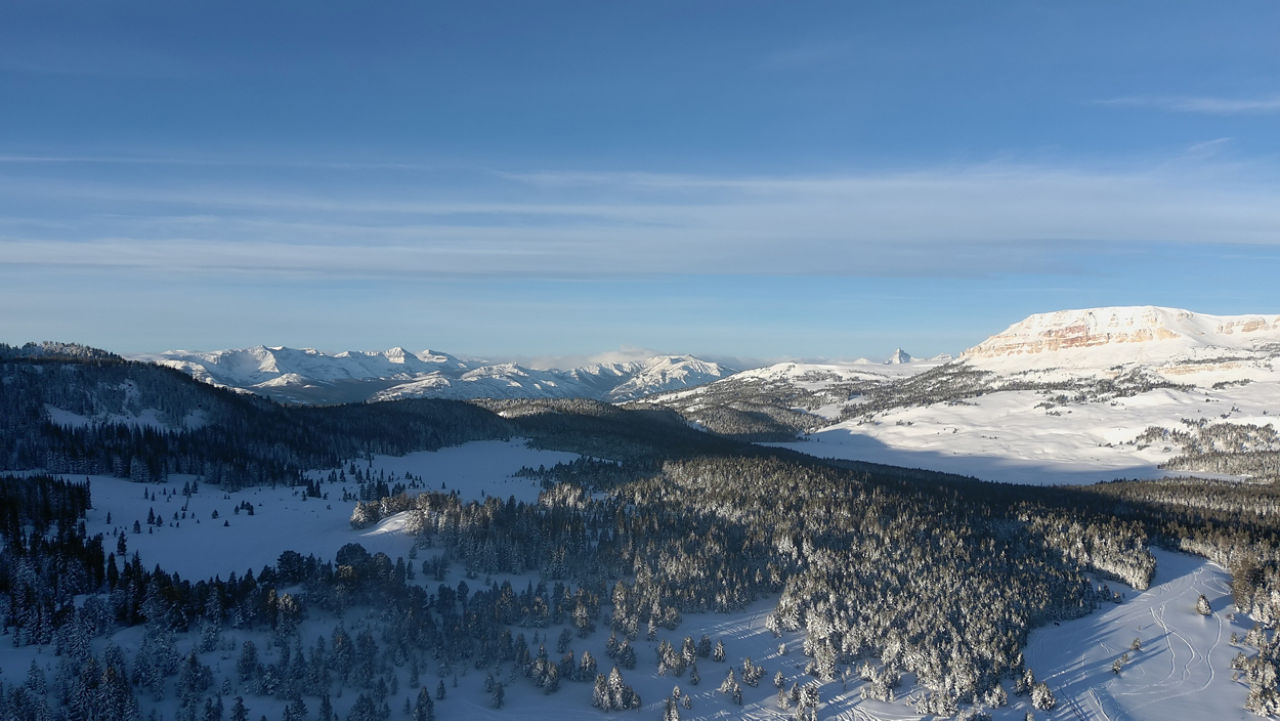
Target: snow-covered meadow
x=198 y=545
x=1009 y=436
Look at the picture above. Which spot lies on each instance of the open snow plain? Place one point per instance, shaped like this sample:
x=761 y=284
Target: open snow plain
x=1011 y=437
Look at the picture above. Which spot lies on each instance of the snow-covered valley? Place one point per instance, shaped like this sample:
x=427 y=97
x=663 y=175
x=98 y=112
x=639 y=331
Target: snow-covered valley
x=191 y=540
x=835 y=590
x=1183 y=667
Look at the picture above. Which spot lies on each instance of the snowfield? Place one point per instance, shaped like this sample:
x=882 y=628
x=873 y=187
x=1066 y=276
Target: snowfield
x=1008 y=436
x=200 y=546
x=1183 y=670
x=1223 y=369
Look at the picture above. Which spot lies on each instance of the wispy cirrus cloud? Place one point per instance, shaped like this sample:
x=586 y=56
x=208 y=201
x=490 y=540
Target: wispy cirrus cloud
x=1200 y=104
x=958 y=221
x=209 y=162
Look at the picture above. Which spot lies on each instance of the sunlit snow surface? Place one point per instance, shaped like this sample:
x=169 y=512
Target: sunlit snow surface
x=1005 y=436
x=1200 y=368
x=1183 y=670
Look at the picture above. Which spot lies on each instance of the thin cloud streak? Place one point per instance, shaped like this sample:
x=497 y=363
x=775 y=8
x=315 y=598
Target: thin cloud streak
x=1205 y=105
x=197 y=162
x=957 y=222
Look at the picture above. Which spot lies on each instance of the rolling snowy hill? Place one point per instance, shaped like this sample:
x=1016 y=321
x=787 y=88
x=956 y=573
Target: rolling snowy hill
x=778 y=401
x=310 y=376
x=1057 y=397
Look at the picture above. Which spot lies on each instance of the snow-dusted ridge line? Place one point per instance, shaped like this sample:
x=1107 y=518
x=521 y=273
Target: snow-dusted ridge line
x=309 y=375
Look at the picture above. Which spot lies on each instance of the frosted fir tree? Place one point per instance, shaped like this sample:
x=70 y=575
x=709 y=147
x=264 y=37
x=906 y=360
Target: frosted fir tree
x=1042 y=697
x=498 y=695
x=238 y=710
x=731 y=688
x=600 y=693
x=1202 y=606
x=626 y=655
x=424 y=708
x=1024 y=683
x=621 y=696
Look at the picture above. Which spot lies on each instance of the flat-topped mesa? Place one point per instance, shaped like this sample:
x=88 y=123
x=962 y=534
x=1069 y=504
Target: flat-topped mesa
x=1116 y=335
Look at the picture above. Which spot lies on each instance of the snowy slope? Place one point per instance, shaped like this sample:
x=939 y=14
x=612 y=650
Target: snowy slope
x=777 y=401
x=1183 y=668
x=664 y=373
x=611 y=382
x=1060 y=397
x=1104 y=337
x=310 y=376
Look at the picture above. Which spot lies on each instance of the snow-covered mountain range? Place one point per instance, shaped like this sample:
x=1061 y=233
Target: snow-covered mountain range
x=1066 y=395
x=310 y=376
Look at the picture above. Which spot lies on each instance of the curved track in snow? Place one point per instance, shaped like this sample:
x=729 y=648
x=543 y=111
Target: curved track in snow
x=1177 y=673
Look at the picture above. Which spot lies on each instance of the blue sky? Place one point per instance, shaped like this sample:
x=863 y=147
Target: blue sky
x=748 y=179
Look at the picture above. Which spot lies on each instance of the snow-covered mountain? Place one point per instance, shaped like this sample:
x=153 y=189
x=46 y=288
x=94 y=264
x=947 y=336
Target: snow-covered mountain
x=1098 y=338
x=309 y=376
x=777 y=401
x=1069 y=395
x=277 y=365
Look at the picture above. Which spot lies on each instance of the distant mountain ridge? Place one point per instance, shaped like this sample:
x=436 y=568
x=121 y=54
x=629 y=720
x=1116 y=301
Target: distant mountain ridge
x=307 y=375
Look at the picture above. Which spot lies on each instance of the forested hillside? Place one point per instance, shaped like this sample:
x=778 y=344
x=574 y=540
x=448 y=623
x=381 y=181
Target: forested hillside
x=142 y=421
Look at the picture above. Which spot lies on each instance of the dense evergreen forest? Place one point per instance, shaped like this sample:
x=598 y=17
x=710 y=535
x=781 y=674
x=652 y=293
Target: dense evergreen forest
x=884 y=572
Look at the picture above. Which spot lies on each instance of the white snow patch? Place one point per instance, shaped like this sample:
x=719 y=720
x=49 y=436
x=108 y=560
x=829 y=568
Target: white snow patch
x=1183 y=669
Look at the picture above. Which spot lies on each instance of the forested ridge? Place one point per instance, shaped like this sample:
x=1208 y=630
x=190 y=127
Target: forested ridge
x=144 y=422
